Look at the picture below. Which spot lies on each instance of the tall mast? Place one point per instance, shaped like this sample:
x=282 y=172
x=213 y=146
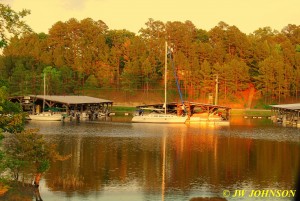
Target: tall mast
x=166 y=64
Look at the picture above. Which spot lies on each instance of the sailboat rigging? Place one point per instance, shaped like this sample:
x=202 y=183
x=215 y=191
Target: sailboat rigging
x=45 y=116
x=155 y=116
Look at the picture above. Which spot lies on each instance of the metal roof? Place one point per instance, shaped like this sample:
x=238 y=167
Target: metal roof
x=71 y=100
x=295 y=106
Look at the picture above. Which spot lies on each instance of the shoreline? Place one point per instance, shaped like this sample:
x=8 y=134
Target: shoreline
x=234 y=112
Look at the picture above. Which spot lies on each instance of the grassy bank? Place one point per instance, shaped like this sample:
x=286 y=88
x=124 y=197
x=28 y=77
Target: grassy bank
x=251 y=112
x=123 y=109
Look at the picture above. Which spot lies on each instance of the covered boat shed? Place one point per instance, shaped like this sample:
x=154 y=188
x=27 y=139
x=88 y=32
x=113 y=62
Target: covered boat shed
x=77 y=104
x=287 y=114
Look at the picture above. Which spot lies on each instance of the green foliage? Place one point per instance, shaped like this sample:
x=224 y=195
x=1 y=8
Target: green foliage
x=11 y=118
x=84 y=54
x=53 y=80
x=22 y=151
x=3 y=43
x=123 y=109
x=262 y=105
x=92 y=82
x=130 y=77
x=298 y=48
x=2 y=154
x=11 y=22
x=43 y=166
x=28 y=152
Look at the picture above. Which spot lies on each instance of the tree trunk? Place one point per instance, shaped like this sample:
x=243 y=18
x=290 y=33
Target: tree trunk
x=37 y=179
x=37 y=194
x=250 y=98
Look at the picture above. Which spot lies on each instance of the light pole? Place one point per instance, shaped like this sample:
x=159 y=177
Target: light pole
x=217 y=89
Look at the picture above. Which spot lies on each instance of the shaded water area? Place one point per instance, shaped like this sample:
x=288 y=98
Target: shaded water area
x=118 y=160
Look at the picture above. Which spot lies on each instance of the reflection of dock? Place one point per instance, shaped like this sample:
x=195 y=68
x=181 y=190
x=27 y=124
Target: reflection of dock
x=287 y=114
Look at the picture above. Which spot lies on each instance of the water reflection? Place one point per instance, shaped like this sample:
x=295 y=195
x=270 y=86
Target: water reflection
x=113 y=161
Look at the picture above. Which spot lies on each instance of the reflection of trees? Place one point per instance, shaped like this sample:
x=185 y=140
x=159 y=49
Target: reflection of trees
x=191 y=161
x=20 y=192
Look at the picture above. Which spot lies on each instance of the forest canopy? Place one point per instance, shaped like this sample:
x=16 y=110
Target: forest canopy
x=81 y=54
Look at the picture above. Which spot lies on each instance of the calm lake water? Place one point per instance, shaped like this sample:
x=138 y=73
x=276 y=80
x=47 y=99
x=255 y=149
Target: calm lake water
x=121 y=161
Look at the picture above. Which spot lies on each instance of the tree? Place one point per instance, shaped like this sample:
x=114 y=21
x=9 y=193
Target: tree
x=131 y=76
x=292 y=31
x=271 y=77
x=206 y=79
x=181 y=35
x=119 y=42
x=237 y=76
x=79 y=45
x=53 y=80
x=18 y=80
x=28 y=152
x=11 y=23
x=154 y=37
x=87 y=50
x=11 y=120
x=23 y=151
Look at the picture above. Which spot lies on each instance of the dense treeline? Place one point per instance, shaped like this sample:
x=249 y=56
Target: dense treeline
x=23 y=152
x=80 y=54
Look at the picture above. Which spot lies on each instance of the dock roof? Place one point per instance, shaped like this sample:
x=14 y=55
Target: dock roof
x=295 y=106
x=72 y=100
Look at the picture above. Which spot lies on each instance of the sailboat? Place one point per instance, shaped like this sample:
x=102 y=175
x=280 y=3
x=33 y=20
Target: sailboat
x=157 y=116
x=45 y=116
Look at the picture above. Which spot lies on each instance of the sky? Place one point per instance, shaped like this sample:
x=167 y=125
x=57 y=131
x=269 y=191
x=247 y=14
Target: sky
x=247 y=15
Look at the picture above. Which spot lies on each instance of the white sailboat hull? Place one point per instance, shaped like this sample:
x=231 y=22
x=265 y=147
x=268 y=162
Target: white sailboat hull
x=46 y=117
x=159 y=118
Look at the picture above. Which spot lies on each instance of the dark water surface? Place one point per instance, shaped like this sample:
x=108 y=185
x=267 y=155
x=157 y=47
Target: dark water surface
x=115 y=161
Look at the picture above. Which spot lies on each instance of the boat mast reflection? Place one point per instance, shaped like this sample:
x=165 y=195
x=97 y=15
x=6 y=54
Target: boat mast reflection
x=163 y=183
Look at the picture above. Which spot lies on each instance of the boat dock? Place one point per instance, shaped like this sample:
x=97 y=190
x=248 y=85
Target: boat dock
x=287 y=114
x=200 y=112
x=196 y=112
x=78 y=107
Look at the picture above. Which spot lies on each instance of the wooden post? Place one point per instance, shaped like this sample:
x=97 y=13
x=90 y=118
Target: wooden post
x=284 y=120
x=217 y=89
x=298 y=120
x=208 y=112
x=189 y=110
x=166 y=65
x=227 y=114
